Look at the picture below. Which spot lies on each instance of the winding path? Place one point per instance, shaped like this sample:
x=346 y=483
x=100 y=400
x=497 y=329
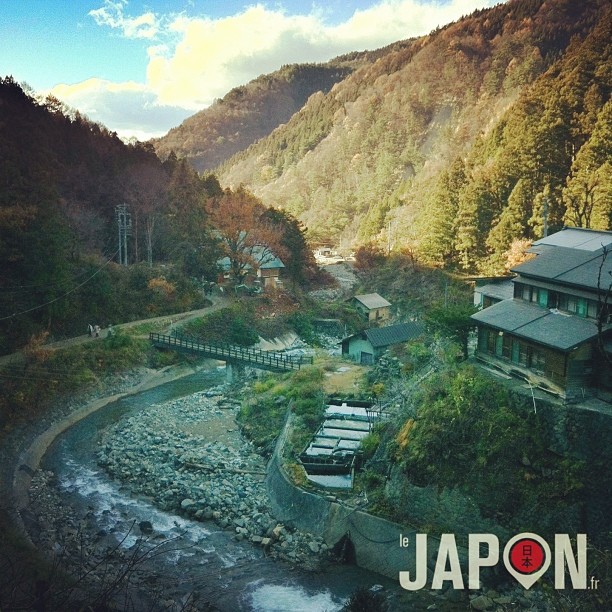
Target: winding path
x=217 y=304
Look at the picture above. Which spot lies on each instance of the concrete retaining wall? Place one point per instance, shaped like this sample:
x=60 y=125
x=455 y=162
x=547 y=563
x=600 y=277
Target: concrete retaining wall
x=376 y=540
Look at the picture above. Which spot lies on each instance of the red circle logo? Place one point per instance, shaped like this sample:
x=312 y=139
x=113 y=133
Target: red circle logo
x=527 y=556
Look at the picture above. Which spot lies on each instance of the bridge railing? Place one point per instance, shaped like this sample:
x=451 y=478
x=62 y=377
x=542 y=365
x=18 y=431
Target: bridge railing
x=231 y=352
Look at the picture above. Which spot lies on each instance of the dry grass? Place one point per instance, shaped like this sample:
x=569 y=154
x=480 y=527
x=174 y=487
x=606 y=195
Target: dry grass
x=341 y=376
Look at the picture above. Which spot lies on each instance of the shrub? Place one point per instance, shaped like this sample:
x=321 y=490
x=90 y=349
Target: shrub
x=370 y=443
x=235 y=324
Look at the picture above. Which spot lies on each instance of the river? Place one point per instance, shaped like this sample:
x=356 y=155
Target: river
x=192 y=561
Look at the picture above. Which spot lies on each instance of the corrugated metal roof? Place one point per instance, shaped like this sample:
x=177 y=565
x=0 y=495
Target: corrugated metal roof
x=540 y=325
x=393 y=334
x=372 y=300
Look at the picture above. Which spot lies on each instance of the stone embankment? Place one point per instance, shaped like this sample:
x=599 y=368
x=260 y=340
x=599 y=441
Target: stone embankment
x=188 y=457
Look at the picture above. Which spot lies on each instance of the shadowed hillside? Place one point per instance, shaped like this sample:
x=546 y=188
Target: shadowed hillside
x=249 y=113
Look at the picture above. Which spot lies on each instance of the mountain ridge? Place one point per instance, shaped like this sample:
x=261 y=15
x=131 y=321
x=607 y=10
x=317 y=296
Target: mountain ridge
x=412 y=150
x=248 y=113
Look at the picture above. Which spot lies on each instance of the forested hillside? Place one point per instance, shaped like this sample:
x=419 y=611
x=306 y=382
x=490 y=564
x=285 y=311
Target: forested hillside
x=62 y=178
x=457 y=144
x=250 y=112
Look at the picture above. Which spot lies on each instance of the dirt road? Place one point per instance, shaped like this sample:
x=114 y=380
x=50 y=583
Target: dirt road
x=217 y=304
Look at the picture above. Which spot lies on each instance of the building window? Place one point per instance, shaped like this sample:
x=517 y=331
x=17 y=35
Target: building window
x=491 y=337
x=522 y=291
x=507 y=347
x=516 y=347
x=523 y=355
x=581 y=307
x=592 y=309
x=543 y=297
x=482 y=339
x=499 y=344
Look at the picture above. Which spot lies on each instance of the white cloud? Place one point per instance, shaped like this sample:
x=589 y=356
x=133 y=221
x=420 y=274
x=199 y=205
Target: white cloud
x=131 y=109
x=212 y=56
x=111 y=15
x=196 y=59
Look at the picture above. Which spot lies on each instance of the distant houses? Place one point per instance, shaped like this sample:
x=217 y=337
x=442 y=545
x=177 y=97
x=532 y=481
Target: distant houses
x=373 y=307
x=266 y=273
x=269 y=271
x=367 y=346
x=555 y=329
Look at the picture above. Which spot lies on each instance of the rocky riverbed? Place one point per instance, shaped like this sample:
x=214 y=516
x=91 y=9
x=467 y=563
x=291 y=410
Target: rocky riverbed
x=186 y=456
x=189 y=458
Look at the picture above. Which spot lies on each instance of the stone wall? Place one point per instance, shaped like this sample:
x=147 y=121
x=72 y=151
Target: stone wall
x=578 y=434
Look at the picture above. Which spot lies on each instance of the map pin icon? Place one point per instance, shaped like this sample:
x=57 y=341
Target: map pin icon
x=527 y=556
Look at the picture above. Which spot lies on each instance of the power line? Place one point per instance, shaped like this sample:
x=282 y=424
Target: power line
x=38 y=286
x=16 y=314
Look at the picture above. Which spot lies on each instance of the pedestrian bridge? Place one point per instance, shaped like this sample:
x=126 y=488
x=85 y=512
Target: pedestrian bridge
x=231 y=353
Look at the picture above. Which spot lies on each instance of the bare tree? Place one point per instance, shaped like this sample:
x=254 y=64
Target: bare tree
x=247 y=238
x=148 y=195
x=604 y=300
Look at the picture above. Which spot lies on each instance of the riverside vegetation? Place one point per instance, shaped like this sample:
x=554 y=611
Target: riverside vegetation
x=458 y=449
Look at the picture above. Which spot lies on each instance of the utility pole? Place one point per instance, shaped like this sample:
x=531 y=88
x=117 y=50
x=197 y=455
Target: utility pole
x=124 y=223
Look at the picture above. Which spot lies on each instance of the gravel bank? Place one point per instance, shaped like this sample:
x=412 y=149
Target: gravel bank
x=188 y=456
x=345 y=278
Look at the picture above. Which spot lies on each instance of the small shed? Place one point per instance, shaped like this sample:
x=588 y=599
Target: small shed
x=367 y=346
x=372 y=306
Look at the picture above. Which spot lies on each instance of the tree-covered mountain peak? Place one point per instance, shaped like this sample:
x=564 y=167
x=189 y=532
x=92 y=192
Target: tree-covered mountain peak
x=453 y=144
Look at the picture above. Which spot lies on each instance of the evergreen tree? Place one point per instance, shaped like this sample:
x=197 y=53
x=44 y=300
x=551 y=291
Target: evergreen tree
x=588 y=193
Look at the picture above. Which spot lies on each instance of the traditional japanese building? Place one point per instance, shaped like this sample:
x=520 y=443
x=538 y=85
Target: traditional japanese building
x=367 y=346
x=556 y=330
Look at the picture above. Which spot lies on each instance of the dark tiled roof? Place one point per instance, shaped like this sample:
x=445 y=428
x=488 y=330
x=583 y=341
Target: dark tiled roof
x=540 y=325
x=393 y=334
x=577 y=238
x=501 y=290
x=568 y=266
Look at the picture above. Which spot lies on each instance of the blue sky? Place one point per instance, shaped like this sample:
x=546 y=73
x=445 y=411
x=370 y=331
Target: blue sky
x=141 y=66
